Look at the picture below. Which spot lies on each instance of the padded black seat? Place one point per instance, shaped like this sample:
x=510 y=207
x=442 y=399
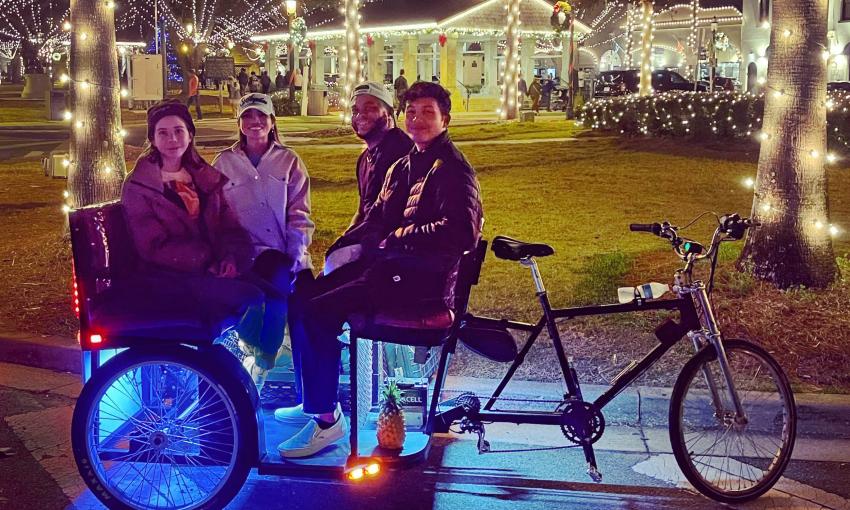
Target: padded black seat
x=425 y=326
x=105 y=264
x=512 y=249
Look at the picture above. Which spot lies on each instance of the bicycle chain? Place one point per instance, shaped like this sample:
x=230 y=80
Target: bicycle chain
x=505 y=399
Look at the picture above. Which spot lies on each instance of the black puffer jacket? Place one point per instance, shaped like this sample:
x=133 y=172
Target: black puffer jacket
x=429 y=206
x=430 y=203
x=395 y=145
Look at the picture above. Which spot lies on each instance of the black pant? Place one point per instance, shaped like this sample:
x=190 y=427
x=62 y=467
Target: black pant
x=317 y=312
x=197 y=99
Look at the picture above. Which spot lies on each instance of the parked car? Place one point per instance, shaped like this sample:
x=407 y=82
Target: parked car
x=836 y=86
x=720 y=83
x=618 y=83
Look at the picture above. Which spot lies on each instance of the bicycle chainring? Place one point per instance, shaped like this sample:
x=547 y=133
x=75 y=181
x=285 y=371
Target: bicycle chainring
x=582 y=422
x=470 y=403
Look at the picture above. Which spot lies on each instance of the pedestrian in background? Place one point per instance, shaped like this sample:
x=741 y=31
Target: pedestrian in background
x=534 y=92
x=195 y=93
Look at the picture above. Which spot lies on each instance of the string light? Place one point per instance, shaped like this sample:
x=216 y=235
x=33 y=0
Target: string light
x=722 y=114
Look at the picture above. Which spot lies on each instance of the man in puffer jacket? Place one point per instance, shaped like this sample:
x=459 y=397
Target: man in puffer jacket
x=427 y=215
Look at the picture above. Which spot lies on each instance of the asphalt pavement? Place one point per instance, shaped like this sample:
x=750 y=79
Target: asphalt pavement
x=528 y=467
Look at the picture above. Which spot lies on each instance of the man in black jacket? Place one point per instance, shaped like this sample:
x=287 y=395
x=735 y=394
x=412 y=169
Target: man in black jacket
x=428 y=213
x=373 y=121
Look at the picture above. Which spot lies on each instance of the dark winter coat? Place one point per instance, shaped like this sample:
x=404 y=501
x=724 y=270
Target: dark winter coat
x=372 y=167
x=427 y=215
x=165 y=236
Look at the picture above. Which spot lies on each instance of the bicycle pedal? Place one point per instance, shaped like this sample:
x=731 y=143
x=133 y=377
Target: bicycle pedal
x=594 y=473
x=483 y=445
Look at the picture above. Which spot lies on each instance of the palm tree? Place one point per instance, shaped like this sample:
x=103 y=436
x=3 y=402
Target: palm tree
x=97 y=146
x=793 y=245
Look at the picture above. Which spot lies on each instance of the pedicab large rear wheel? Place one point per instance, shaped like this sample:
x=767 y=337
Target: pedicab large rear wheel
x=163 y=429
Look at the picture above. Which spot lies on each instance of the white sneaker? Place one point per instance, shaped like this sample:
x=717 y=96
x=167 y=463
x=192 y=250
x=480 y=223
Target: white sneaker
x=312 y=438
x=258 y=374
x=292 y=415
x=296 y=415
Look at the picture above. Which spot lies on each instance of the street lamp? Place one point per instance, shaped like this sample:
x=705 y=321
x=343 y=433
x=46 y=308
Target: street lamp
x=290 y=14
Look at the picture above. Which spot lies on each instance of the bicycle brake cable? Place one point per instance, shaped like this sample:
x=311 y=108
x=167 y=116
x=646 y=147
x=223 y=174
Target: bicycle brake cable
x=716 y=217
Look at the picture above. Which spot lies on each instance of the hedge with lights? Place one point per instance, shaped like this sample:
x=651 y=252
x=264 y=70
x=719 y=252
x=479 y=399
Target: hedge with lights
x=701 y=115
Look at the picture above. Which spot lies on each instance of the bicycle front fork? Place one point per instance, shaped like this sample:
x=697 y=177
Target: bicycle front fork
x=711 y=335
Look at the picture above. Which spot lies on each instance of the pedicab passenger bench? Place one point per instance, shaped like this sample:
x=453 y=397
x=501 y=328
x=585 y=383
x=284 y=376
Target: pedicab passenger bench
x=112 y=313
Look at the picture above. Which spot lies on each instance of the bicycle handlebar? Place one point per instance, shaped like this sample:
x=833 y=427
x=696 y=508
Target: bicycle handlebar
x=654 y=228
x=731 y=225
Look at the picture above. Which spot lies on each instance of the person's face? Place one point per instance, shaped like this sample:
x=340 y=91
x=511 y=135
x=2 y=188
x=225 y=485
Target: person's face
x=424 y=121
x=368 y=116
x=255 y=125
x=171 y=137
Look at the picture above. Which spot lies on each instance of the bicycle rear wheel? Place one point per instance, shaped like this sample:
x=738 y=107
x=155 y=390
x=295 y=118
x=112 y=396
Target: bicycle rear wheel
x=727 y=459
x=162 y=430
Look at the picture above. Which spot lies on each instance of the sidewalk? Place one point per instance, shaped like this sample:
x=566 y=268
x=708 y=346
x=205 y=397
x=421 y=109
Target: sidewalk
x=820 y=416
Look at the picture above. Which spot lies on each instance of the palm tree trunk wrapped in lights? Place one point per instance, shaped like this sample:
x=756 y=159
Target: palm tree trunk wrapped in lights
x=351 y=56
x=647 y=8
x=96 y=168
x=793 y=245
x=510 y=77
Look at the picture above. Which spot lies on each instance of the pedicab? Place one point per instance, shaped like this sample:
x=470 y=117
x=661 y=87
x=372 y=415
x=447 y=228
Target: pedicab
x=168 y=418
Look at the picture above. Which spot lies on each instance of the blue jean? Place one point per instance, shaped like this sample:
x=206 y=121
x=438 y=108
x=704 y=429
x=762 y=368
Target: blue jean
x=197 y=100
x=264 y=325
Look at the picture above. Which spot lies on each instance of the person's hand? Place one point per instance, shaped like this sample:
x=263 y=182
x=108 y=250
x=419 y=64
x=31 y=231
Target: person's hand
x=226 y=268
x=302 y=280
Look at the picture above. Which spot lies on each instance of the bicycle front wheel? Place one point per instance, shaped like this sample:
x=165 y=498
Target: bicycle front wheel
x=726 y=457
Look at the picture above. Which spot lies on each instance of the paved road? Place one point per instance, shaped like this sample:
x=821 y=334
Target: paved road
x=36 y=407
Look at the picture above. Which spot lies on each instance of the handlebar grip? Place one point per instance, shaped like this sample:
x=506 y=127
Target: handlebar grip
x=654 y=228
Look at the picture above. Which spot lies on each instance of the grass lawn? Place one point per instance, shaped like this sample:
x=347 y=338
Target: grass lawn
x=543 y=127
x=577 y=196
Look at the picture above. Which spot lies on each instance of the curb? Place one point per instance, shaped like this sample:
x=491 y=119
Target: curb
x=50 y=352
x=818 y=414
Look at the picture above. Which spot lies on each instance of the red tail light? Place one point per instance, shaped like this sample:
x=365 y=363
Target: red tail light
x=76 y=292
x=95 y=339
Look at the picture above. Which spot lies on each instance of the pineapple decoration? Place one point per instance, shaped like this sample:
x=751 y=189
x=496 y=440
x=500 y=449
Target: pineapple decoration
x=391 y=419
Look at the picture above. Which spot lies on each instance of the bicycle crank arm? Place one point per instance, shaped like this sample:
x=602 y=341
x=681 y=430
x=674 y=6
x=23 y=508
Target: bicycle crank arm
x=594 y=473
x=592 y=470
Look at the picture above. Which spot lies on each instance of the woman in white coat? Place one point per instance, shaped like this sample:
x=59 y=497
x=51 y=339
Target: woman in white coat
x=268 y=189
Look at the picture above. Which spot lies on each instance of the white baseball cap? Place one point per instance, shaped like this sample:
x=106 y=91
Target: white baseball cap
x=374 y=89
x=256 y=101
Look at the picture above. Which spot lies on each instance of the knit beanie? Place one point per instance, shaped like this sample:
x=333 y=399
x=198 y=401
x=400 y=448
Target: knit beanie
x=166 y=108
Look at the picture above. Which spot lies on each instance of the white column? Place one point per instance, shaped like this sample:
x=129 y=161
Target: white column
x=527 y=47
x=565 y=56
x=318 y=69
x=271 y=60
x=491 y=68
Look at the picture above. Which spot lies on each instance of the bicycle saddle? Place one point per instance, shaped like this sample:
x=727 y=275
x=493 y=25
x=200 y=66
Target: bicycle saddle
x=511 y=249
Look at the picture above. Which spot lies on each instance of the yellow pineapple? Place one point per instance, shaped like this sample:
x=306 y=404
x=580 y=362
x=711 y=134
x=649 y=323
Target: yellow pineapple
x=391 y=419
